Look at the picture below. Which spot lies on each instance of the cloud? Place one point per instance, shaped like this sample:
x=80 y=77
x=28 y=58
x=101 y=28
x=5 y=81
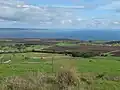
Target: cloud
x=113 y=6
x=69 y=7
x=19 y=13
x=12 y=10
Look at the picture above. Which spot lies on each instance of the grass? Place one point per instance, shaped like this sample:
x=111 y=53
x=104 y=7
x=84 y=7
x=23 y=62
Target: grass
x=98 y=64
x=36 y=47
x=87 y=68
x=26 y=48
x=66 y=44
x=62 y=80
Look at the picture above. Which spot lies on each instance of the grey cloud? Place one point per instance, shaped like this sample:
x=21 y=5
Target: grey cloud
x=13 y=10
x=67 y=16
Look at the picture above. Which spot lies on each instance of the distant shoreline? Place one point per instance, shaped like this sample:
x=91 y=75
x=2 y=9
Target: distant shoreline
x=77 y=34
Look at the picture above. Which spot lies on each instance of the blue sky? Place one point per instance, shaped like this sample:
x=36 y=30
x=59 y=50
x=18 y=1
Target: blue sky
x=50 y=2
x=82 y=14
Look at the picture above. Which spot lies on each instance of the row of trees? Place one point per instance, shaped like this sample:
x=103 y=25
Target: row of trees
x=19 y=47
x=73 y=54
x=83 y=54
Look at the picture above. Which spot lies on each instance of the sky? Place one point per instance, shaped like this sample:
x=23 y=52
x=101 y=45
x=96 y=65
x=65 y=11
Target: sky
x=80 y=14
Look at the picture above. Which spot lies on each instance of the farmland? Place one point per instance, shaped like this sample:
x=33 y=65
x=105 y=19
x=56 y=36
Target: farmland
x=88 y=68
x=84 y=48
x=95 y=73
x=19 y=64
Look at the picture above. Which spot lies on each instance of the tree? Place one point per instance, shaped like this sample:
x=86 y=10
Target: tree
x=83 y=54
x=20 y=47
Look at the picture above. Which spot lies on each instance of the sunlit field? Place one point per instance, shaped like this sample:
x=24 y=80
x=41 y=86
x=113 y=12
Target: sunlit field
x=89 y=68
x=59 y=65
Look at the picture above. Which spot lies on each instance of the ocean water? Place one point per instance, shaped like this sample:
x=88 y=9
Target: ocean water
x=59 y=33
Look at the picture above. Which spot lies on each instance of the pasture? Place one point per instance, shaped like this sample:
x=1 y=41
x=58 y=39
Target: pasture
x=99 y=72
x=89 y=68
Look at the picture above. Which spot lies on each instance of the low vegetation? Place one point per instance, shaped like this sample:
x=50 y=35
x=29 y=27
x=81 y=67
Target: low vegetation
x=63 y=80
x=84 y=55
x=60 y=66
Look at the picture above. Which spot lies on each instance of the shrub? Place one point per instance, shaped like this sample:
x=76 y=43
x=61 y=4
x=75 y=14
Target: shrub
x=30 y=82
x=105 y=54
x=16 y=83
x=63 y=80
x=75 y=54
x=112 y=78
x=66 y=78
x=84 y=55
x=88 y=54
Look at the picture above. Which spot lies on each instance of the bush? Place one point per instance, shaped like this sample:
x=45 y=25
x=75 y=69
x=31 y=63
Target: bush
x=16 y=83
x=105 y=54
x=76 y=54
x=66 y=78
x=84 y=55
x=63 y=80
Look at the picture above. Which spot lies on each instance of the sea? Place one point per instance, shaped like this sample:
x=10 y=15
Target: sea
x=80 y=34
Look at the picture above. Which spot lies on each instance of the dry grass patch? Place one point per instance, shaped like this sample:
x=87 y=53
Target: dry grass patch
x=62 y=80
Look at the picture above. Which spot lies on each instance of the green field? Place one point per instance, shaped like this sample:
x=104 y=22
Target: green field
x=66 y=44
x=23 y=63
